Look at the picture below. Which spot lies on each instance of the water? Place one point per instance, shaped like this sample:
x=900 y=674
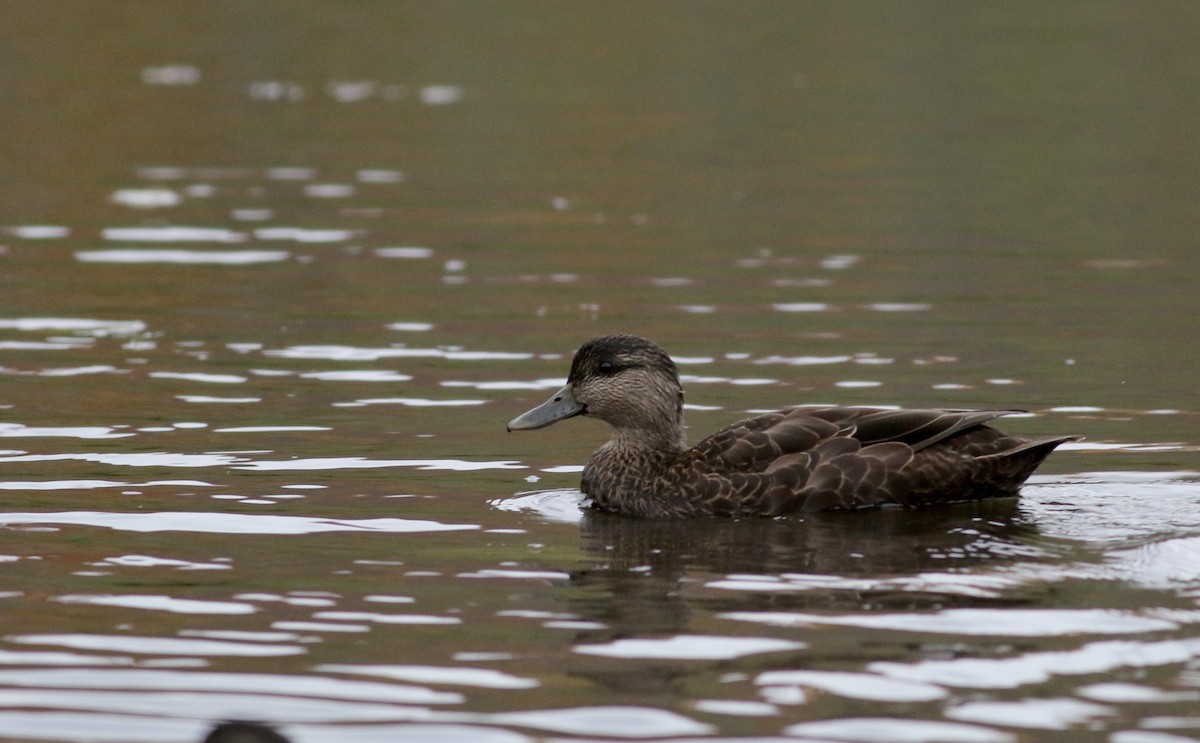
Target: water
x=273 y=279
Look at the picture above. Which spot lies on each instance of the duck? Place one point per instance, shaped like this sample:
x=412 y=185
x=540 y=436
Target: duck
x=792 y=461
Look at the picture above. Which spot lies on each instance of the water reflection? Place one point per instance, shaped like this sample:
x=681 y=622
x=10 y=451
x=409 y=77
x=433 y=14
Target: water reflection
x=884 y=542
x=228 y=523
x=194 y=257
x=651 y=578
x=874 y=729
x=257 y=241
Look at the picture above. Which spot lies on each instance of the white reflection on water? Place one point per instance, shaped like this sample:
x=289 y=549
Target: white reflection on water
x=61 y=484
x=157 y=645
x=251 y=215
x=1039 y=667
x=76 y=325
x=1043 y=714
x=354 y=353
x=556 y=506
x=696 y=379
x=172 y=459
x=213 y=705
x=76 y=432
x=148 y=561
x=146 y=198
x=99 y=727
x=803 y=360
x=145 y=459
x=857 y=384
x=854 y=685
x=1162 y=723
x=172 y=74
x=173 y=234
x=359 y=375
x=801 y=307
x=380 y=175
x=517 y=574
x=302 y=235
x=1108 y=507
x=161 y=603
x=1167 y=564
x=71 y=371
x=38 y=231
x=735 y=707
x=200 y=377
x=408 y=252
x=196 y=681
x=292 y=600
x=197 y=257
x=537 y=384
x=690 y=647
x=614 y=722
x=329 y=190
x=987 y=622
x=32 y=346
x=50 y=658
x=228 y=523
x=1123 y=692
x=1098 y=446
x=320 y=627
x=377 y=618
x=410 y=402
x=440 y=95
x=896 y=730
x=458 y=676
x=899 y=306
x=424 y=733
x=839 y=262
x=290 y=173
x=270 y=429
x=339 y=463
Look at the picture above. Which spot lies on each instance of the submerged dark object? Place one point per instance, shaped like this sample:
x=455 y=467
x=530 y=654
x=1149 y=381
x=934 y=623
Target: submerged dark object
x=792 y=460
x=237 y=731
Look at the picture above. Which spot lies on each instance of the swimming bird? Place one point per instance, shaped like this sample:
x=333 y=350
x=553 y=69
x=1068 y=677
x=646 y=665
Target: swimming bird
x=793 y=460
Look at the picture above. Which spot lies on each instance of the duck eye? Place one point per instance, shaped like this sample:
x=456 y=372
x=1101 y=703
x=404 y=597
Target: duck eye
x=607 y=367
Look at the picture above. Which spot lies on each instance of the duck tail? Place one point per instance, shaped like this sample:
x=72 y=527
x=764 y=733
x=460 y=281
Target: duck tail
x=1011 y=467
x=1040 y=448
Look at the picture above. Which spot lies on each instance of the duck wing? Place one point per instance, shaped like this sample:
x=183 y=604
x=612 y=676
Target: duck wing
x=753 y=444
x=806 y=459
x=916 y=428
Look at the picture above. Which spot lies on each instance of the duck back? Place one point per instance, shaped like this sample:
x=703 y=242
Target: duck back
x=826 y=458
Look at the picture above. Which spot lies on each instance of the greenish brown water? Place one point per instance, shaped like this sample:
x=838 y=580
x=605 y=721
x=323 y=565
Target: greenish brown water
x=274 y=276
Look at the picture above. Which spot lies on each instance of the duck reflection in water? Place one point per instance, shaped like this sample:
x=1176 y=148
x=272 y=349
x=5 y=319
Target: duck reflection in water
x=791 y=461
x=643 y=568
x=655 y=577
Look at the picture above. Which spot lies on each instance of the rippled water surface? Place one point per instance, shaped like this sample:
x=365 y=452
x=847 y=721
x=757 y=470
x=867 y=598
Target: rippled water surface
x=274 y=276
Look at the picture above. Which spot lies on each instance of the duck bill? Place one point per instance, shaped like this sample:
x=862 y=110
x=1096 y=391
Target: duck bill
x=561 y=406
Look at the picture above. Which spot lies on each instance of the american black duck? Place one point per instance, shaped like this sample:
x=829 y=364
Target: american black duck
x=792 y=460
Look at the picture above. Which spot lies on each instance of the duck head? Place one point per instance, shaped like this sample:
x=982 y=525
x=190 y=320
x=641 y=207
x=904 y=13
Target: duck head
x=626 y=381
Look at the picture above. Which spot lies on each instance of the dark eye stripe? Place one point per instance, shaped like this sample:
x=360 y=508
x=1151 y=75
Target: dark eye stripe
x=608 y=368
